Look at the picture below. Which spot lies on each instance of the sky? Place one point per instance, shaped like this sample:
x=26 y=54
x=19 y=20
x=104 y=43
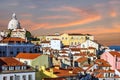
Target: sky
x=100 y=18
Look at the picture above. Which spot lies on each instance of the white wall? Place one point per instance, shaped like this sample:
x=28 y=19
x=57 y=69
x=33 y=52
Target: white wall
x=23 y=61
x=18 y=74
x=56 y=44
x=89 y=43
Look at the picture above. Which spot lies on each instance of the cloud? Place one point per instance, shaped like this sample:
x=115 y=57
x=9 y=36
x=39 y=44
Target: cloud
x=55 y=17
x=13 y=4
x=113 y=13
x=26 y=15
x=32 y=6
x=31 y=26
x=87 y=20
x=114 y=2
x=98 y=29
x=75 y=10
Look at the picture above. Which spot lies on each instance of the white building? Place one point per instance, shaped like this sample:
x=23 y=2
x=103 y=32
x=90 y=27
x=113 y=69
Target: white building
x=16 y=30
x=21 y=33
x=90 y=43
x=56 y=44
x=12 y=46
x=11 y=69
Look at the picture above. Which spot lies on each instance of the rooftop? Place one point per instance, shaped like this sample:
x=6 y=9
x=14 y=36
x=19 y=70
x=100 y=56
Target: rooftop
x=13 y=39
x=28 y=55
x=9 y=61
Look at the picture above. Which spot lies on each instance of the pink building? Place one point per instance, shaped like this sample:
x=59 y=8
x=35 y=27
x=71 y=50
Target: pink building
x=113 y=57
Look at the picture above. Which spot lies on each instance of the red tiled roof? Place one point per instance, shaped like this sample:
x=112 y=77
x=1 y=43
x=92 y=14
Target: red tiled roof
x=82 y=59
x=28 y=55
x=62 y=72
x=80 y=54
x=115 y=53
x=9 y=61
x=75 y=49
x=91 y=54
x=76 y=70
x=12 y=39
x=91 y=48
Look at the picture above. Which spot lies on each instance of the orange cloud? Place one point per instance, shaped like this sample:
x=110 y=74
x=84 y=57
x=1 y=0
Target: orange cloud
x=35 y=26
x=81 y=21
x=98 y=30
x=113 y=13
x=26 y=15
x=75 y=10
x=28 y=24
x=32 y=6
x=56 y=17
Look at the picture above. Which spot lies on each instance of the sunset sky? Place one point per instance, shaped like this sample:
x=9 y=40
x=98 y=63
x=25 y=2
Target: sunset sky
x=100 y=18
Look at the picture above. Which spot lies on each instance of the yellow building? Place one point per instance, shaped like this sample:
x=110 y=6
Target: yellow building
x=70 y=38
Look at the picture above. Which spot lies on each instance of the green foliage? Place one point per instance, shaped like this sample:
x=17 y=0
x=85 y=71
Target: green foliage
x=9 y=33
x=28 y=34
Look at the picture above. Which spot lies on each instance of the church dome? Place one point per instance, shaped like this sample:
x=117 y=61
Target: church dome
x=14 y=23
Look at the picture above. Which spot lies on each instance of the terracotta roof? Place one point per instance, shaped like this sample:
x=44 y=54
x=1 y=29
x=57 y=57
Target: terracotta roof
x=91 y=48
x=63 y=72
x=75 y=49
x=9 y=61
x=28 y=55
x=63 y=52
x=91 y=54
x=115 y=53
x=100 y=61
x=80 y=54
x=82 y=59
x=12 y=39
x=76 y=70
x=104 y=71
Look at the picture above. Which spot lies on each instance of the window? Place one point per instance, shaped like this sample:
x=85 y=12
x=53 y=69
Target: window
x=11 y=77
x=75 y=43
x=71 y=43
x=17 y=77
x=66 y=38
x=5 y=78
x=71 y=37
x=30 y=77
x=36 y=67
x=25 y=62
x=24 y=77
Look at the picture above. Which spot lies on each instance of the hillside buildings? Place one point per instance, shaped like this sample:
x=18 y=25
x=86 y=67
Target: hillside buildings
x=34 y=60
x=72 y=56
x=68 y=39
x=12 y=46
x=113 y=57
x=12 y=69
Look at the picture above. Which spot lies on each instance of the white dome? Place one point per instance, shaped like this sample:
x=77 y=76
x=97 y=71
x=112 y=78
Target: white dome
x=14 y=23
